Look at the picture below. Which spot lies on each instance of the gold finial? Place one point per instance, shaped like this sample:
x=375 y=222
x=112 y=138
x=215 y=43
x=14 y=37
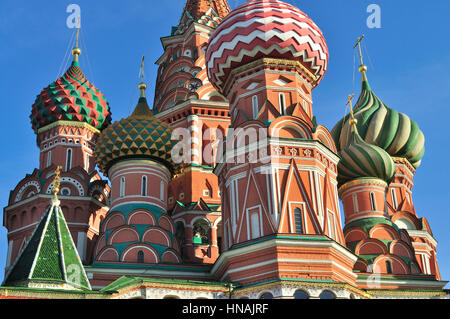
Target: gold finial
x=353 y=121
x=56 y=183
x=362 y=67
x=142 y=85
x=77 y=51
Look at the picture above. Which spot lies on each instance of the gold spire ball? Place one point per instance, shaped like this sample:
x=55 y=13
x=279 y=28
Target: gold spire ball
x=142 y=85
x=77 y=51
x=362 y=67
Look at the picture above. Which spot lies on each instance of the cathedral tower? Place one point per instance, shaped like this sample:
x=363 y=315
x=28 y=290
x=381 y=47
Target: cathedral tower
x=185 y=99
x=278 y=176
x=135 y=153
x=67 y=118
x=402 y=139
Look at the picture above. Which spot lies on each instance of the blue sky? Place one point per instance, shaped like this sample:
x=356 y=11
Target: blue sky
x=407 y=57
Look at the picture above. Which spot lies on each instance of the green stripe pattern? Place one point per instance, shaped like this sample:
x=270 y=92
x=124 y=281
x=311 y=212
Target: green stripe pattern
x=360 y=159
x=377 y=124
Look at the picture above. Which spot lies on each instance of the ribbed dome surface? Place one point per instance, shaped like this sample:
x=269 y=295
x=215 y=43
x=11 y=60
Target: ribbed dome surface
x=394 y=132
x=71 y=98
x=360 y=159
x=140 y=135
x=265 y=28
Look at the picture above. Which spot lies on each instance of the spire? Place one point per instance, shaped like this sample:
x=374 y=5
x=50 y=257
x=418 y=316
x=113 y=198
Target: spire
x=50 y=259
x=76 y=50
x=362 y=67
x=142 y=109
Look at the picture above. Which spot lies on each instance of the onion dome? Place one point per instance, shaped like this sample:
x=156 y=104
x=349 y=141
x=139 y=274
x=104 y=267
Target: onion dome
x=140 y=135
x=360 y=159
x=394 y=132
x=265 y=28
x=71 y=98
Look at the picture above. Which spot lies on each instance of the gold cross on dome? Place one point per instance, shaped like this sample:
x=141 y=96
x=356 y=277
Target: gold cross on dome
x=352 y=115
x=358 y=44
x=57 y=182
x=141 y=71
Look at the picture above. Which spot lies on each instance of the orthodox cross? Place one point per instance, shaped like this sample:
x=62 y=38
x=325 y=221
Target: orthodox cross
x=358 y=44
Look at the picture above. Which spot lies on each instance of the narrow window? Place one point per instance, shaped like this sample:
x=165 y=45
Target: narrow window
x=282 y=101
x=86 y=163
x=122 y=187
x=372 y=201
x=331 y=225
x=394 y=199
x=255 y=106
x=49 y=158
x=298 y=221
x=144 y=186
x=255 y=226
x=69 y=159
x=140 y=257
x=388 y=267
x=355 y=203
x=161 y=191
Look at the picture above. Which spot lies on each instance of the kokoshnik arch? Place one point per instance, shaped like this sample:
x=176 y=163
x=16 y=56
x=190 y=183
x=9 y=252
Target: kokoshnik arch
x=266 y=228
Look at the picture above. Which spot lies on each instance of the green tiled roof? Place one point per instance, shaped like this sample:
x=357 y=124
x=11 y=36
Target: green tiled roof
x=50 y=256
x=125 y=281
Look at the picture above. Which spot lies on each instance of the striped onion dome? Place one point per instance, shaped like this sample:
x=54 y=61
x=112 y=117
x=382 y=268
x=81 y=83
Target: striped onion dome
x=141 y=135
x=360 y=159
x=71 y=98
x=394 y=132
x=265 y=28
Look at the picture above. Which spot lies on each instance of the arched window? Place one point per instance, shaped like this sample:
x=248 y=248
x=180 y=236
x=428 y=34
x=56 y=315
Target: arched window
x=300 y=294
x=140 y=257
x=201 y=232
x=122 y=186
x=298 y=221
x=266 y=295
x=144 y=186
x=282 y=101
x=255 y=106
x=69 y=159
x=388 y=267
x=326 y=294
x=372 y=201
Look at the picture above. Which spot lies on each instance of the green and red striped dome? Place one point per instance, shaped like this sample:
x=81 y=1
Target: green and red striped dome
x=71 y=98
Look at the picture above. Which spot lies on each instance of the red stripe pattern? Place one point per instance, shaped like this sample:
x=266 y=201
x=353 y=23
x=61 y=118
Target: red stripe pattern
x=265 y=28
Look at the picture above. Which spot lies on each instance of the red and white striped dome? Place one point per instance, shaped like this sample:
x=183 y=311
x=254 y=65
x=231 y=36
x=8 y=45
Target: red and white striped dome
x=265 y=28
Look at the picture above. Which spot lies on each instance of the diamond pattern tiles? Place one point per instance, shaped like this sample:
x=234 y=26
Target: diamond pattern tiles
x=71 y=98
x=140 y=135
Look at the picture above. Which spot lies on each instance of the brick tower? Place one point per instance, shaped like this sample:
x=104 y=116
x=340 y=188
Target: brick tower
x=67 y=118
x=281 y=214
x=185 y=99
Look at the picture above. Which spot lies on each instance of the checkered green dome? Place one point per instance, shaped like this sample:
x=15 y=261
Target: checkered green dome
x=140 y=135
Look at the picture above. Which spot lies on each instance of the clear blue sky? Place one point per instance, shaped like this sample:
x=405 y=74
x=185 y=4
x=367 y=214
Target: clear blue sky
x=408 y=70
